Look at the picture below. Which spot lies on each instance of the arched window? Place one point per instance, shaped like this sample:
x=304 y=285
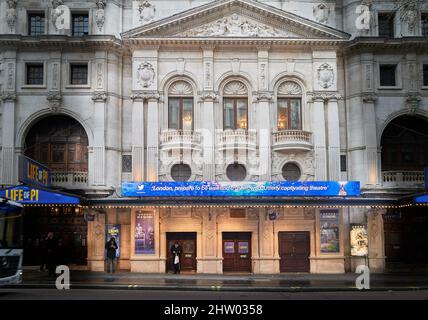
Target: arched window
x=235 y=106
x=236 y=172
x=181 y=172
x=59 y=142
x=289 y=111
x=180 y=106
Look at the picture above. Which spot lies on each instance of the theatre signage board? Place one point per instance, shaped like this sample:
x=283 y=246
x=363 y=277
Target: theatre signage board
x=241 y=189
x=28 y=195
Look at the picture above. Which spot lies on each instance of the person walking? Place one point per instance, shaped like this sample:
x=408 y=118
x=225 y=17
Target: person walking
x=176 y=252
x=111 y=247
x=51 y=247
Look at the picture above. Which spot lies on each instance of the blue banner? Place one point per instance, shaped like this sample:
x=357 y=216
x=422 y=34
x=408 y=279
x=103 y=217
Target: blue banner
x=33 y=173
x=28 y=195
x=421 y=199
x=241 y=189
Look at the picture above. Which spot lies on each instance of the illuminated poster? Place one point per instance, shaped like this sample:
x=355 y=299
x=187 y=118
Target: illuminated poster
x=113 y=230
x=229 y=247
x=243 y=247
x=144 y=233
x=329 y=230
x=359 y=241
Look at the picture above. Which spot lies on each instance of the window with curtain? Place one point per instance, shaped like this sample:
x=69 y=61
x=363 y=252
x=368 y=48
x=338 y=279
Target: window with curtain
x=180 y=106
x=289 y=114
x=235 y=106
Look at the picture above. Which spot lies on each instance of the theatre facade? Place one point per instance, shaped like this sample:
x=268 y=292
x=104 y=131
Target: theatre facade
x=263 y=136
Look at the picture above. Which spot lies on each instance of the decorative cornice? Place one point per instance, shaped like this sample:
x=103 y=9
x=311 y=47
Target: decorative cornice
x=324 y=96
x=369 y=97
x=142 y=96
x=8 y=96
x=99 y=96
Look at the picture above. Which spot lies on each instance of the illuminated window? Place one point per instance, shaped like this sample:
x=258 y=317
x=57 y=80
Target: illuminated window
x=235 y=106
x=180 y=106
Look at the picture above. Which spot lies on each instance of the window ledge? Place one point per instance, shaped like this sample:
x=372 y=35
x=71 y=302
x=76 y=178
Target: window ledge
x=33 y=86
x=424 y=88
x=390 y=88
x=78 y=86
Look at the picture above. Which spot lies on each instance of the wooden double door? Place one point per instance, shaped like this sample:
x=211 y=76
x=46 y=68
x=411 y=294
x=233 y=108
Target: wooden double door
x=236 y=251
x=187 y=242
x=294 y=251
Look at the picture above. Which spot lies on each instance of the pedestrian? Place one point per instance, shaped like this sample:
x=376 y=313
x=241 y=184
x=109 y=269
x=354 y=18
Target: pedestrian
x=176 y=252
x=111 y=247
x=51 y=245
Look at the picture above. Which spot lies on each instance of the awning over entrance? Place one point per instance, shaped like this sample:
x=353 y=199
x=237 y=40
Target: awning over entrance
x=33 y=196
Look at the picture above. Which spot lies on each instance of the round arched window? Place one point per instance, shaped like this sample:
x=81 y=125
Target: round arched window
x=291 y=172
x=181 y=172
x=236 y=172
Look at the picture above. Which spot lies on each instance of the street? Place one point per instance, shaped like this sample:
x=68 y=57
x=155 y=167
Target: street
x=131 y=294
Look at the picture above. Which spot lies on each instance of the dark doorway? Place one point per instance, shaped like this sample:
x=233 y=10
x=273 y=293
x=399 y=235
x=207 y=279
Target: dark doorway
x=69 y=228
x=236 y=251
x=187 y=241
x=294 y=251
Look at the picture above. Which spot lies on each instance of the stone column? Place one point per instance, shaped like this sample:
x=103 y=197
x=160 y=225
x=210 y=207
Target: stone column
x=376 y=240
x=319 y=136
x=8 y=168
x=268 y=262
x=209 y=262
x=137 y=137
x=96 y=240
x=333 y=138
x=370 y=140
x=264 y=135
x=152 y=136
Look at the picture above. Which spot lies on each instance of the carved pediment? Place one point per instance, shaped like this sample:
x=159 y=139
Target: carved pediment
x=237 y=19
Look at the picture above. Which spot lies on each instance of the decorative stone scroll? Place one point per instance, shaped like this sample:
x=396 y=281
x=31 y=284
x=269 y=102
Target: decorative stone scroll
x=180 y=88
x=289 y=88
x=235 y=88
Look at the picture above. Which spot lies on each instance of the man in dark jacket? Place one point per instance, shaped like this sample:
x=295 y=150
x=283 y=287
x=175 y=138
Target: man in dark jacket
x=51 y=247
x=176 y=252
x=111 y=247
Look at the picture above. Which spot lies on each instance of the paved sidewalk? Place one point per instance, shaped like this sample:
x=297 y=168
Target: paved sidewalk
x=228 y=282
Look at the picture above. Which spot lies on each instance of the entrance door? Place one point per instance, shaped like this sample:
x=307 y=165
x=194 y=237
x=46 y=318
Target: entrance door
x=187 y=241
x=294 y=251
x=236 y=251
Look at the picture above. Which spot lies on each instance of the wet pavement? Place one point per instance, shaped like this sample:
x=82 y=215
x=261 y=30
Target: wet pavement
x=228 y=282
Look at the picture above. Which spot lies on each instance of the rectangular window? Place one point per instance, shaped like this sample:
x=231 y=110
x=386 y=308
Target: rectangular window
x=235 y=113
x=127 y=163
x=80 y=23
x=78 y=74
x=343 y=163
x=36 y=24
x=35 y=74
x=180 y=113
x=387 y=75
x=289 y=114
x=386 y=24
x=425 y=75
x=424 y=23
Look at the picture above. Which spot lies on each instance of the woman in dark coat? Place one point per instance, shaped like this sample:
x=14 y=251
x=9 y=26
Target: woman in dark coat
x=176 y=252
x=111 y=247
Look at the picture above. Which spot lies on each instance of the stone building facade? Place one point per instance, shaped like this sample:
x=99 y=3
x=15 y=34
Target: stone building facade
x=216 y=90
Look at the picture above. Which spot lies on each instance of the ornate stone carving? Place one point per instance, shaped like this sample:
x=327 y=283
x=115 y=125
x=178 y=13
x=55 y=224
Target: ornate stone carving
x=146 y=11
x=412 y=102
x=234 y=26
x=369 y=97
x=325 y=96
x=235 y=88
x=11 y=13
x=99 y=96
x=209 y=95
x=263 y=96
x=409 y=15
x=181 y=88
x=8 y=96
x=10 y=75
x=145 y=96
x=145 y=74
x=289 y=88
x=208 y=81
x=54 y=98
x=321 y=13
x=325 y=75
x=55 y=13
x=100 y=14
x=100 y=75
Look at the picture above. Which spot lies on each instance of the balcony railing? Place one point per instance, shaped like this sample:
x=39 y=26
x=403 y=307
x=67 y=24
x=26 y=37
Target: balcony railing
x=237 y=139
x=171 y=139
x=405 y=179
x=291 y=139
x=69 y=180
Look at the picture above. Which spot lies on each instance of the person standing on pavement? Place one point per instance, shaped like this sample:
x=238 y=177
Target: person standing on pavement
x=176 y=252
x=111 y=247
x=51 y=247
